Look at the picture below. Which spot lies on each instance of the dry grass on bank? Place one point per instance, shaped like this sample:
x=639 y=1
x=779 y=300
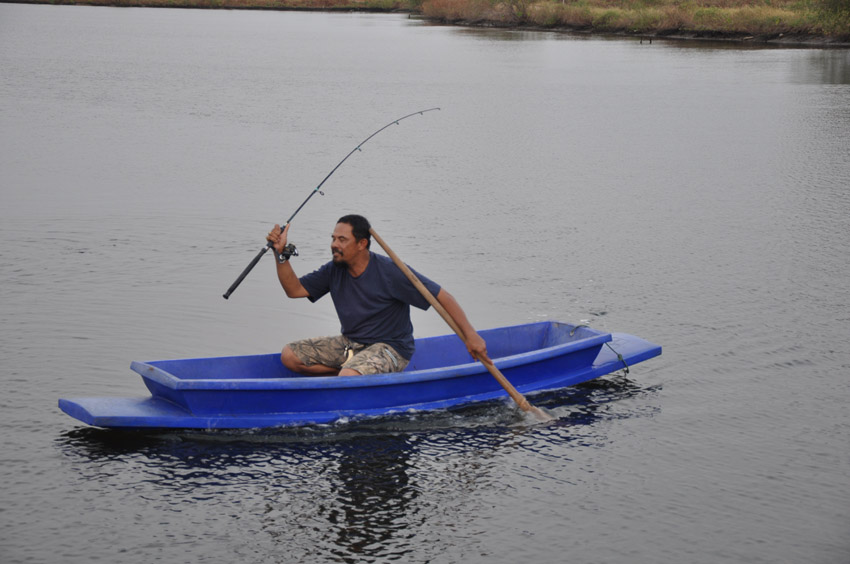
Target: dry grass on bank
x=703 y=17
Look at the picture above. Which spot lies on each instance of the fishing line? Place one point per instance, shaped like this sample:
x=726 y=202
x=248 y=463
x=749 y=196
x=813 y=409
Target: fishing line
x=291 y=250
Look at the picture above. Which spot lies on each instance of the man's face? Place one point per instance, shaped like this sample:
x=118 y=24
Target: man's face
x=344 y=246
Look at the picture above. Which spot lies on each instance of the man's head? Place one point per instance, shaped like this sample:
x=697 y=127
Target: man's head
x=350 y=237
x=359 y=227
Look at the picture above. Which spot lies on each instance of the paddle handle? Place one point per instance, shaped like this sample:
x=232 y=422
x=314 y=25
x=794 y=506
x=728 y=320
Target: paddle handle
x=497 y=374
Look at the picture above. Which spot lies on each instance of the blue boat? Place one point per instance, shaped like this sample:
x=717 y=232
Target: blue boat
x=244 y=392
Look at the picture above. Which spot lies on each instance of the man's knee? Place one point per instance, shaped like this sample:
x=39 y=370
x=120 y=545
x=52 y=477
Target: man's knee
x=289 y=360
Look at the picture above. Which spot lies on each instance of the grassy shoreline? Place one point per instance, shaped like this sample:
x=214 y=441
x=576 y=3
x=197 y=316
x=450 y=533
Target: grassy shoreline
x=802 y=22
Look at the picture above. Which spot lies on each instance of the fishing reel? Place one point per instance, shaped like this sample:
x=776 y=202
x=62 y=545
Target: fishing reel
x=288 y=251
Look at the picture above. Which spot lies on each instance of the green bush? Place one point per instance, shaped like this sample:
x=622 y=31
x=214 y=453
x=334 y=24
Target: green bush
x=835 y=17
x=835 y=6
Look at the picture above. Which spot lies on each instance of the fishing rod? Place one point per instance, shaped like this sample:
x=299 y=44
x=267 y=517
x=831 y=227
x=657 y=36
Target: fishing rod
x=290 y=249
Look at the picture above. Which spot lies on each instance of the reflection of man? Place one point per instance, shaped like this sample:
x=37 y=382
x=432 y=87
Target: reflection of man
x=372 y=298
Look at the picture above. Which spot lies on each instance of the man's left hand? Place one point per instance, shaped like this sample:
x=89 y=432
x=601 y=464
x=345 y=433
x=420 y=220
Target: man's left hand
x=477 y=347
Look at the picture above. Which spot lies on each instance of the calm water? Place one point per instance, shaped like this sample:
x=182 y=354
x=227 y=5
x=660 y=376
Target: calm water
x=695 y=195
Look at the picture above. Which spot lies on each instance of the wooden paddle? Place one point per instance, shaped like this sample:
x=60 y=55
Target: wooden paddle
x=497 y=374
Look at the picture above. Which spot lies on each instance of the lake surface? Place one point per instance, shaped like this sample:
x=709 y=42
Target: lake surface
x=696 y=195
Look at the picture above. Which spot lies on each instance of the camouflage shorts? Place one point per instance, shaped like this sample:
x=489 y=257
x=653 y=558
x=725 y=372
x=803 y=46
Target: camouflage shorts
x=342 y=352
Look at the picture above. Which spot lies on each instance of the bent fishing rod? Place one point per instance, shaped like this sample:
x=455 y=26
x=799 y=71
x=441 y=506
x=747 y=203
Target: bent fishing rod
x=290 y=249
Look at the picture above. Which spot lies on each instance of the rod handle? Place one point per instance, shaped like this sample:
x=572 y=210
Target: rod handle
x=245 y=272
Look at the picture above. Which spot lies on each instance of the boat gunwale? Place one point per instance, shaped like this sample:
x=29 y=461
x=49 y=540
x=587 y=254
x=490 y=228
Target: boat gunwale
x=149 y=371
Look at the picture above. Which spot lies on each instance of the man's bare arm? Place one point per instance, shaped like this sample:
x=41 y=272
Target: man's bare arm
x=288 y=279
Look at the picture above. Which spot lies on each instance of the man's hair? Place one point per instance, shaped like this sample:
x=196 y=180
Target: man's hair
x=359 y=227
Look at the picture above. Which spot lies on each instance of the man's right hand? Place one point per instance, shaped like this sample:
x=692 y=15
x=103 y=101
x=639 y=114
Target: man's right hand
x=278 y=238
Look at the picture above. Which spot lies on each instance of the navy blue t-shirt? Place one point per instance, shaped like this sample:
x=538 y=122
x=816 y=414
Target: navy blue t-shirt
x=375 y=306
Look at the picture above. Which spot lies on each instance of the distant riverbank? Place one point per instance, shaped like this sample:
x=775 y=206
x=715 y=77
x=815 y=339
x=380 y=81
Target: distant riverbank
x=805 y=22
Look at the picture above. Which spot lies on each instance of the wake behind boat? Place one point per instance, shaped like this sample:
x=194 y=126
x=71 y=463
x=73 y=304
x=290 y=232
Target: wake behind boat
x=258 y=391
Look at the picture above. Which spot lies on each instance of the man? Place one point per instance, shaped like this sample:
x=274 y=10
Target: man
x=372 y=298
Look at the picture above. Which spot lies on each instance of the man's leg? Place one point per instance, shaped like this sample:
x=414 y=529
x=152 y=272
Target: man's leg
x=291 y=361
x=321 y=356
